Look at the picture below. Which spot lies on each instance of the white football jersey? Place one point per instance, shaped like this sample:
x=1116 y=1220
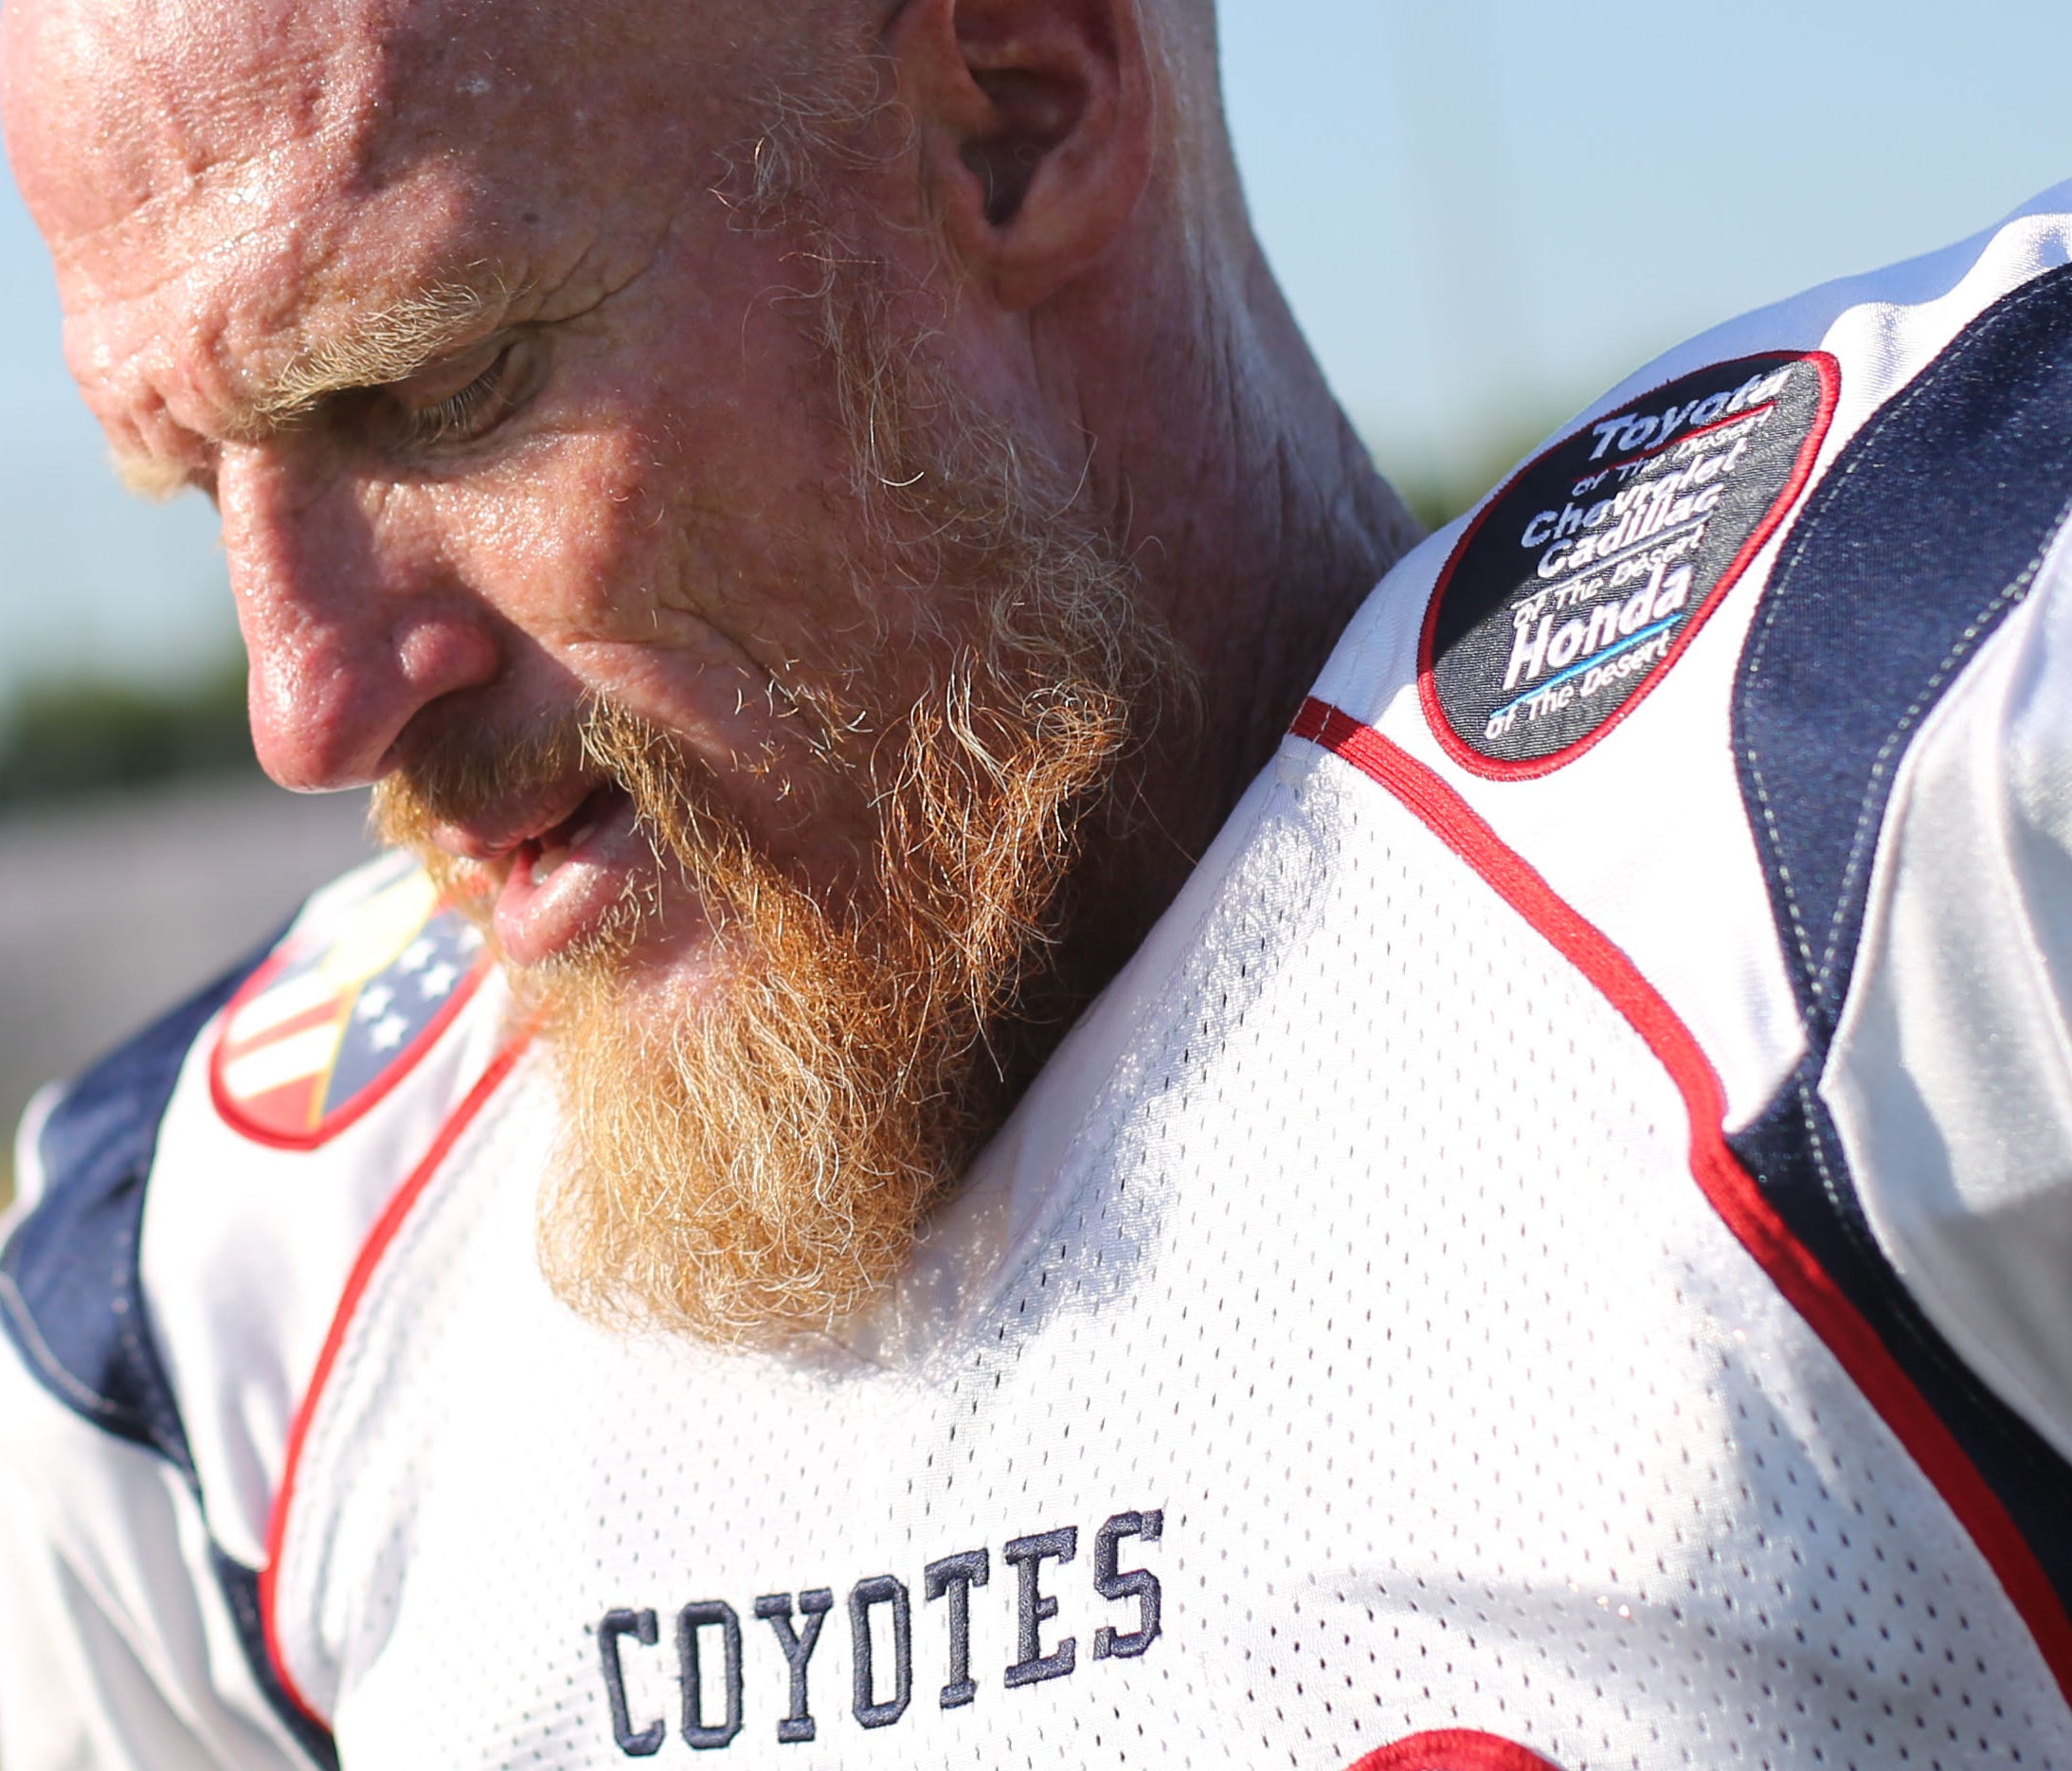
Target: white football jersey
x=1553 y=1253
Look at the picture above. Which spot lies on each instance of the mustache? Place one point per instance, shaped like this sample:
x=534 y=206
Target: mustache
x=678 y=802
x=469 y=773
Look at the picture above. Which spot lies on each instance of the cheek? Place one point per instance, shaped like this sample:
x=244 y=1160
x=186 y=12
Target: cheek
x=662 y=532
x=570 y=544
x=672 y=591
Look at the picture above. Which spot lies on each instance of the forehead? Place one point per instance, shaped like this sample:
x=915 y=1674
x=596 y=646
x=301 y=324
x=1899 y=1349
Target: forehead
x=249 y=172
x=153 y=125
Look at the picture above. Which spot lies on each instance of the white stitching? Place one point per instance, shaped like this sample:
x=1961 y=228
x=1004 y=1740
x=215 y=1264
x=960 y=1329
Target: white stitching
x=1931 y=1346
x=39 y=1350
x=1868 y=815
x=1795 y=545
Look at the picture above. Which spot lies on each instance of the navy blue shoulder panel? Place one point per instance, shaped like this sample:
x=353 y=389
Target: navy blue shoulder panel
x=71 y=1295
x=1922 y=537
x=1926 y=532
x=240 y=1588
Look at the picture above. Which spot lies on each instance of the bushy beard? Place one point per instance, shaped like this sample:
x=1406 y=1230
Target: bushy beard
x=754 y=1156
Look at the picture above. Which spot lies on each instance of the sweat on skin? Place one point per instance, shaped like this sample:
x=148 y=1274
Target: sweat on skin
x=508 y=442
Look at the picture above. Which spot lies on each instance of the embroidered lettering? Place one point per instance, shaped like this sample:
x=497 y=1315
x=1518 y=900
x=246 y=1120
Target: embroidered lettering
x=881 y=1589
x=711 y=1652
x=956 y=1576
x=692 y=1622
x=1033 y=1608
x=1137 y=1584
x=775 y=1610
x=642 y=1627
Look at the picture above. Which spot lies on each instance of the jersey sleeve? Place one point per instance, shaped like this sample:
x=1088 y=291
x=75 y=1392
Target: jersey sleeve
x=52 y=1639
x=1951 y=1077
x=128 y=1637
x=192 y=1208
x=119 y=1647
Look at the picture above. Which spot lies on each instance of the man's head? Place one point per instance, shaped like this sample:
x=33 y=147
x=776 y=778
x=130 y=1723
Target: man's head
x=725 y=471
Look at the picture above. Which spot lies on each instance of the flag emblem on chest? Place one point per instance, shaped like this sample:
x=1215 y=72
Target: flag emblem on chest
x=332 y=1022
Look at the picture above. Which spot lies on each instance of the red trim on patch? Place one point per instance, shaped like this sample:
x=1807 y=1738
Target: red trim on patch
x=1454 y=1750
x=376 y=1245
x=234 y=1113
x=1725 y=1184
x=1490 y=769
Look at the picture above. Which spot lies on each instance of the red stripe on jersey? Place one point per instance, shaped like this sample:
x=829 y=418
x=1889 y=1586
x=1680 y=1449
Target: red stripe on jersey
x=376 y=1245
x=1454 y=1750
x=1730 y=1188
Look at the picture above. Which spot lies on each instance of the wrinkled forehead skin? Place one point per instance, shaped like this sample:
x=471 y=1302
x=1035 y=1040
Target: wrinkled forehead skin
x=225 y=184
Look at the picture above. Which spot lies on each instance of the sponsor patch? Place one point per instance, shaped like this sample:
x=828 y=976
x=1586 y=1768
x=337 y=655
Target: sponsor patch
x=1584 y=579
x=330 y=1023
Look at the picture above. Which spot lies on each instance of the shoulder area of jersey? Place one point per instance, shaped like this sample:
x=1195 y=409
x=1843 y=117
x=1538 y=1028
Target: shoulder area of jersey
x=193 y=1211
x=343 y=1041
x=218 y=1175
x=1534 y=626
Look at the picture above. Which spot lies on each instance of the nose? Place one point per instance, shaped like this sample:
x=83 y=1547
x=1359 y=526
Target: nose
x=353 y=615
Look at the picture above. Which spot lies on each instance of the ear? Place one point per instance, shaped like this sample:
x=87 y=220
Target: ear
x=1036 y=130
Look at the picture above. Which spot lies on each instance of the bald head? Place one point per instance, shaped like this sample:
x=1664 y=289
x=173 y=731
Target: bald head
x=498 y=334
x=200 y=92
x=299 y=168
x=112 y=105
x=853 y=403
x=301 y=165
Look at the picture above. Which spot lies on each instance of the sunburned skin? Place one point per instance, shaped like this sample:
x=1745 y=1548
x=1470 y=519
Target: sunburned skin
x=735 y=371
x=393 y=571
x=656 y=514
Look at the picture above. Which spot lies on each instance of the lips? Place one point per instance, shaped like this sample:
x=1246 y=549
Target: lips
x=555 y=870
x=542 y=855
x=560 y=885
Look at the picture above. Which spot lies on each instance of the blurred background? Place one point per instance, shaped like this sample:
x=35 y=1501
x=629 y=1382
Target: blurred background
x=1483 y=211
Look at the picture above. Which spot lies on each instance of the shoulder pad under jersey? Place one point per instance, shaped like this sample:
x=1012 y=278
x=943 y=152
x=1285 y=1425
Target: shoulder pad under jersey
x=193 y=1204
x=1748 y=691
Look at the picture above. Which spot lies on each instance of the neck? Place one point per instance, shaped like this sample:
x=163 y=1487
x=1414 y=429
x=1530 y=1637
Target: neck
x=1258 y=525
x=1255 y=517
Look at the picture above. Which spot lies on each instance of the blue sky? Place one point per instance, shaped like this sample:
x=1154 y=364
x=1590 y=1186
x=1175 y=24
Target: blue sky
x=1483 y=211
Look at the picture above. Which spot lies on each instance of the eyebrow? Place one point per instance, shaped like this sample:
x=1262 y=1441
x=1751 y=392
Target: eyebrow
x=388 y=346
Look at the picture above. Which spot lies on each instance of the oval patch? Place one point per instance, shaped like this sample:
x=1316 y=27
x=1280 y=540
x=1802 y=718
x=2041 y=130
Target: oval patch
x=1587 y=575
x=332 y=1022
x=1455 y=1750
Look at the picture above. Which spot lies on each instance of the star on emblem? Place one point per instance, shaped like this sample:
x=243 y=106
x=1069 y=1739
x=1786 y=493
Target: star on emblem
x=437 y=980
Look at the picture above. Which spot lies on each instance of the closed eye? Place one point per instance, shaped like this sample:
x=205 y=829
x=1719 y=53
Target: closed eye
x=471 y=410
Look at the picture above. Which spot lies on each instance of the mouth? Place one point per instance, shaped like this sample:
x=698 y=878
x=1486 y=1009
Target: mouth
x=560 y=883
